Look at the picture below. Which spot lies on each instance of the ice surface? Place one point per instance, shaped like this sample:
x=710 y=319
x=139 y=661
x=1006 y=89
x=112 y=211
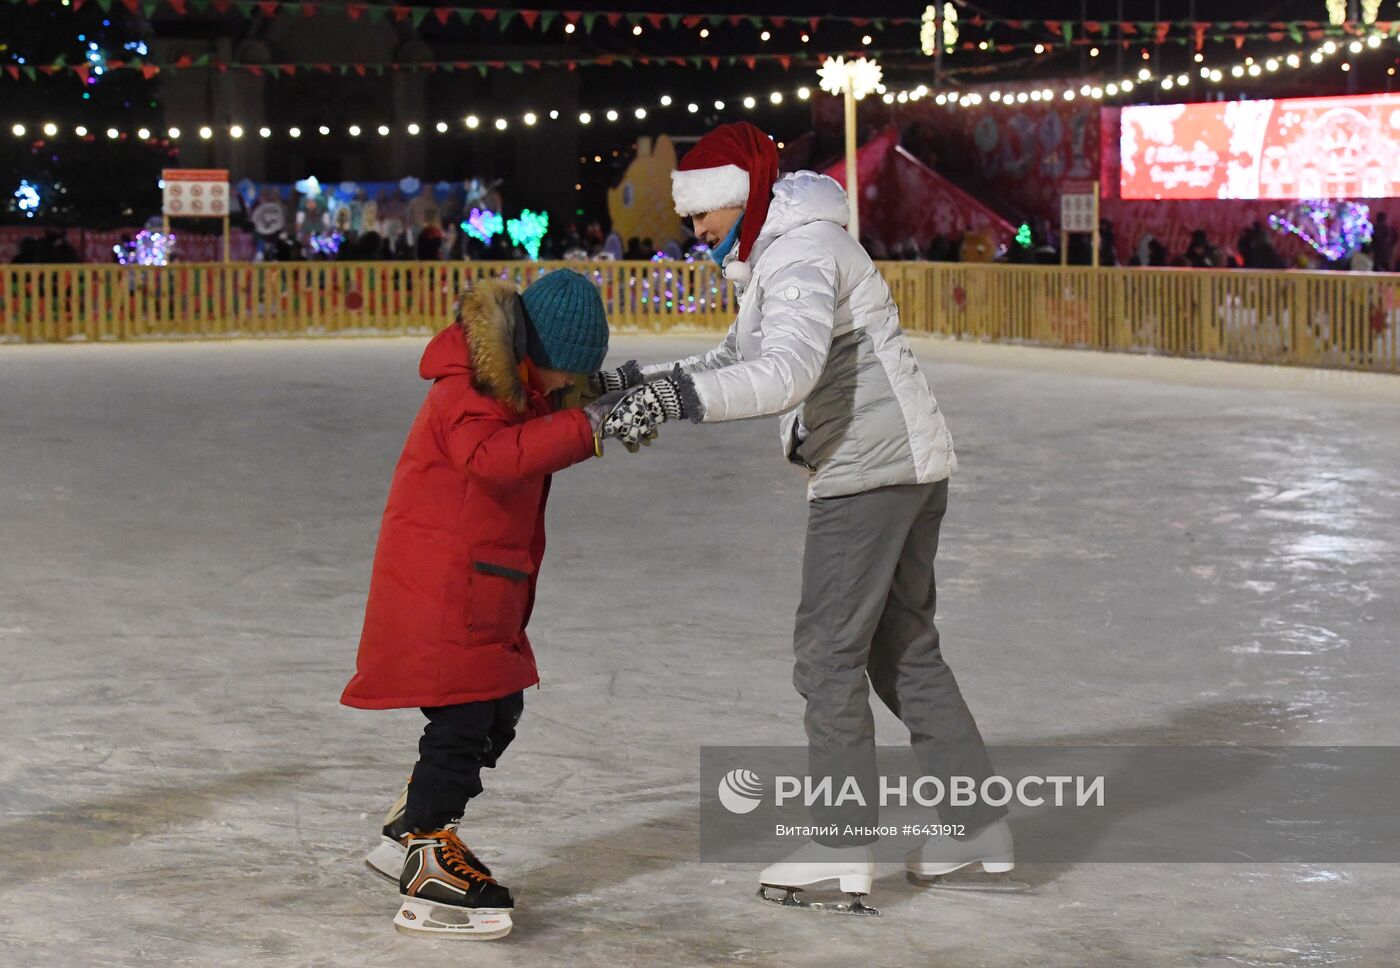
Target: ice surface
x=1136 y=551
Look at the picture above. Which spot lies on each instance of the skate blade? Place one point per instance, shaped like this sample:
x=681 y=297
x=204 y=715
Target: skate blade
x=386 y=859
x=790 y=900
x=444 y=921
x=966 y=880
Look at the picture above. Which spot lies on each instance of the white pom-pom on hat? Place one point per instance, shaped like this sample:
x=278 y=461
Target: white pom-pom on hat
x=738 y=272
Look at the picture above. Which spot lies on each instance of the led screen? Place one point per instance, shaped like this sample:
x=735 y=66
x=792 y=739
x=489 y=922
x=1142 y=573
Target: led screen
x=1319 y=147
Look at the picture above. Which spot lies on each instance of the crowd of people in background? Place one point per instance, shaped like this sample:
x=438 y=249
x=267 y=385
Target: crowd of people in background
x=1252 y=249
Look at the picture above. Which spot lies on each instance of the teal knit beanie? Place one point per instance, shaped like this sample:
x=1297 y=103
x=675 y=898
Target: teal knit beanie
x=568 y=328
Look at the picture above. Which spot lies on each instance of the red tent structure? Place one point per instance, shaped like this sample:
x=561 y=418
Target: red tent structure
x=902 y=199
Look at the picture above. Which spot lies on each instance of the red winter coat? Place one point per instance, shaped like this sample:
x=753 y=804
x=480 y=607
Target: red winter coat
x=463 y=532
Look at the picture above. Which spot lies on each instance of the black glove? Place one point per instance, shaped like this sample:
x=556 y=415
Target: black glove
x=625 y=377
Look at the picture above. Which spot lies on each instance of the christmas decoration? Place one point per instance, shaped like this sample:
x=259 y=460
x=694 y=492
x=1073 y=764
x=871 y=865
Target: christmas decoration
x=528 y=231
x=1335 y=229
x=928 y=29
x=325 y=244
x=27 y=198
x=1023 y=236
x=483 y=225
x=148 y=248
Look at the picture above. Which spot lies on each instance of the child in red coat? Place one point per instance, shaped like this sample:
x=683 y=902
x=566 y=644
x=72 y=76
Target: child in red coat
x=454 y=572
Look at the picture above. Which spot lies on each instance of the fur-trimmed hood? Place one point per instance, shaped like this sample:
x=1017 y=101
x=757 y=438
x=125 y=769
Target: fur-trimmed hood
x=487 y=341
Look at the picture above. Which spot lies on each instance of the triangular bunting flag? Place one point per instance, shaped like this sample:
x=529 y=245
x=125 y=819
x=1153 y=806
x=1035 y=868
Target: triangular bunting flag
x=506 y=17
x=547 y=18
x=530 y=18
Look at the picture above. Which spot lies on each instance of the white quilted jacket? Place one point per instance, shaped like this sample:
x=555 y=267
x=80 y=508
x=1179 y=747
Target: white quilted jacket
x=817 y=338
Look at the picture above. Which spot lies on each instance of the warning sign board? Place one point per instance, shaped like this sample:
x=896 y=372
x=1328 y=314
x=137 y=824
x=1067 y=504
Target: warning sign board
x=196 y=192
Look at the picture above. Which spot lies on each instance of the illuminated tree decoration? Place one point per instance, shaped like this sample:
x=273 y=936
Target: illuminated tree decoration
x=1023 y=236
x=927 y=29
x=1334 y=229
x=147 y=249
x=327 y=244
x=483 y=224
x=528 y=231
x=27 y=198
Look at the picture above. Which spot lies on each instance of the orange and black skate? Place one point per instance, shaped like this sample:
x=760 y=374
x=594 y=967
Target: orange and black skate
x=446 y=891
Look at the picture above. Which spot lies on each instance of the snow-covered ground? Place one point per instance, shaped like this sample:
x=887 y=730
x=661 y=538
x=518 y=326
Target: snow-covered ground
x=1137 y=551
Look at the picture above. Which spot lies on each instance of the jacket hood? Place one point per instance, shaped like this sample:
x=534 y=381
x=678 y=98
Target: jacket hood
x=804 y=197
x=486 y=341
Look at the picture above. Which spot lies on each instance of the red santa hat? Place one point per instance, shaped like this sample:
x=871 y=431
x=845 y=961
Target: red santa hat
x=735 y=164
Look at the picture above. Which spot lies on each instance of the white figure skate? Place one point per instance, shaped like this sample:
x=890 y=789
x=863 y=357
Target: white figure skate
x=853 y=869
x=991 y=847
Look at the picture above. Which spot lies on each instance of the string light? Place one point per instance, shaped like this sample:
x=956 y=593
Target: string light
x=1109 y=88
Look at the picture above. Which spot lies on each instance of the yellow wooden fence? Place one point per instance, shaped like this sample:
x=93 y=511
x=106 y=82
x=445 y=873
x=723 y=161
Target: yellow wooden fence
x=1347 y=320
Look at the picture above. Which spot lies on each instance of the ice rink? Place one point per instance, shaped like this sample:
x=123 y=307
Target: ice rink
x=1137 y=551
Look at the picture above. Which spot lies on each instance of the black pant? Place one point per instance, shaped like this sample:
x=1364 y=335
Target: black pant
x=457 y=742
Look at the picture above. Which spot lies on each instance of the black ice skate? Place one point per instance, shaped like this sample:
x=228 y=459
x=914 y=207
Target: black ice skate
x=445 y=891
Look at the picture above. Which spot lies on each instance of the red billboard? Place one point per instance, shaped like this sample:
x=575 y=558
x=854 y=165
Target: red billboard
x=1317 y=147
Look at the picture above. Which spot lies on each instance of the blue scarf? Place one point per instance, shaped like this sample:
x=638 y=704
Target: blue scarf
x=732 y=239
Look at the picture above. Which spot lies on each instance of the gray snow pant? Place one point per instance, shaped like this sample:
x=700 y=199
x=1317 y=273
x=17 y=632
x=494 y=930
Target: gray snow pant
x=867 y=611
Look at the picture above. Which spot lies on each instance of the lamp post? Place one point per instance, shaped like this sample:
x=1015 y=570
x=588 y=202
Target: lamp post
x=852 y=80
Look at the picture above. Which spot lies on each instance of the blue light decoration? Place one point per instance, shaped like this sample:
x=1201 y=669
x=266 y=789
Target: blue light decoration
x=1334 y=229
x=528 y=231
x=97 y=59
x=483 y=225
x=326 y=244
x=148 y=248
x=27 y=198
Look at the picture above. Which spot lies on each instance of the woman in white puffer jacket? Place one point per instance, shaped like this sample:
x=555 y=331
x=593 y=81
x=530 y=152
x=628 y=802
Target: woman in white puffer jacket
x=817 y=338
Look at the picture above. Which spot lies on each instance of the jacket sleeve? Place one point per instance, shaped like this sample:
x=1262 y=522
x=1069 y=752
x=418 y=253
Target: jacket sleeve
x=498 y=454
x=798 y=313
x=725 y=354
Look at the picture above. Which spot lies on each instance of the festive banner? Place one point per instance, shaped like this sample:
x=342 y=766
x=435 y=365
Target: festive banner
x=1295 y=148
x=206 y=62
